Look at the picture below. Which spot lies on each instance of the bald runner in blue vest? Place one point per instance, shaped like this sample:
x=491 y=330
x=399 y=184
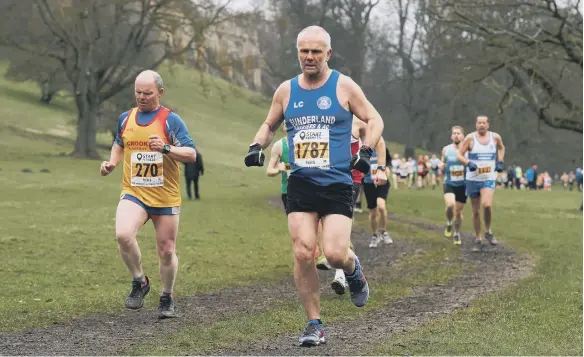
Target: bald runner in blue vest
x=317 y=108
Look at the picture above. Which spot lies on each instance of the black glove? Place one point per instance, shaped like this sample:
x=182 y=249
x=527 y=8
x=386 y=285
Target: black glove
x=255 y=156
x=361 y=160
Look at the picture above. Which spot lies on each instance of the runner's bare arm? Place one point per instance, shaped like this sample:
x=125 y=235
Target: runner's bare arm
x=360 y=127
x=275 y=116
x=500 y=148
x=443 y=158
x=463 y=148
x=364 y=110
x=116 y=155
x=275 y=154
x=380 y=149
x=182 y=154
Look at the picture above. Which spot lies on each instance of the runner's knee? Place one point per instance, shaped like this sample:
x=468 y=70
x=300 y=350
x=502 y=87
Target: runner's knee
x=125 y=237
x=336 y=256
x=381 y=209
x=303 y=252
x=166 y=250
x=458 y=213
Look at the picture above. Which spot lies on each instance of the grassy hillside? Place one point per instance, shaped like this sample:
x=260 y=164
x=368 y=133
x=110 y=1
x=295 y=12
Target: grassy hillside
x=66 y=236
x=60 y=258
x=58 y=227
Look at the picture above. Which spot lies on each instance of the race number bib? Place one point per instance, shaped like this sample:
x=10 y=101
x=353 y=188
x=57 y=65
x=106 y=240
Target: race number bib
x=147 y=169
x=373 y=170
x=456 y=173
x=484 y=169
x=311 y=148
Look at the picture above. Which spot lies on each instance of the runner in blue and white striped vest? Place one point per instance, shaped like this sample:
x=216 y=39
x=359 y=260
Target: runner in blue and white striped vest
x=485 y=157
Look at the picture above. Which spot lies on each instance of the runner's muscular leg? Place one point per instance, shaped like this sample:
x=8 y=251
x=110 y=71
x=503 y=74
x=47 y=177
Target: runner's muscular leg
x=476 y=215
x=373 y=220
x=166 y=227
x=449 y=200
x=303 y=228
x=487 y=203
x=129 y=218
x=458 y=219
x=382 y=214
x=336 y=236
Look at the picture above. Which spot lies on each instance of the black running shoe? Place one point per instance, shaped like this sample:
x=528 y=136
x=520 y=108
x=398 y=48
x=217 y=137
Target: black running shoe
x=166 y=308
x=135 y=299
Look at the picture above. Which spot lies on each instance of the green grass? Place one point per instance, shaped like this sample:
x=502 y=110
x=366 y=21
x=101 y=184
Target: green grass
x=59 y=254
x=60 y=258
x=423 y=268
x=542 y=315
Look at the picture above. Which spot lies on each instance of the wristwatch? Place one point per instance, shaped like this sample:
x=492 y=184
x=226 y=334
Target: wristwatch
x=166 y=149
x=381 y=167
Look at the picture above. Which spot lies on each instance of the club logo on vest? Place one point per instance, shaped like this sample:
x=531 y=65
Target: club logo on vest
x=324 y=102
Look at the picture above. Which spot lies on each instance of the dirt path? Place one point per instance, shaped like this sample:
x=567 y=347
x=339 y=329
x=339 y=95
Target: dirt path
x=107 y=334
x=493 y=269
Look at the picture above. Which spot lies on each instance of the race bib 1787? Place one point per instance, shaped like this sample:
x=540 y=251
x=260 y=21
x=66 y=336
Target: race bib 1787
x=311 y=148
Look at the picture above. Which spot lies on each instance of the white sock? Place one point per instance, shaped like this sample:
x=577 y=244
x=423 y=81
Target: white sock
x=339 y=273
x=448 y=223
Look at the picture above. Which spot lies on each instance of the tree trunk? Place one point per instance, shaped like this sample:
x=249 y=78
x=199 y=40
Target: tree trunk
x=85 y=144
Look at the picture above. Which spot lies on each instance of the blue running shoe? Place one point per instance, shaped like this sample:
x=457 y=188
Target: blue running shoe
x=358 y=285
x=313 y=334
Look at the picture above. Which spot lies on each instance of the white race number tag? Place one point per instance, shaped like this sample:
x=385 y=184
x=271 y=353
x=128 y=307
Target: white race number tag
x=311 y=148
x=147 y=169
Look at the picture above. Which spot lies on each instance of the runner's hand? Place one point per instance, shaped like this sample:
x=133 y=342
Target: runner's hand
x=380 y=178
x=282 y=167
x=499 y=166
x=255 y=156
x=472 y=166
x=106 y=168
x=155 y=143
x=361 y=160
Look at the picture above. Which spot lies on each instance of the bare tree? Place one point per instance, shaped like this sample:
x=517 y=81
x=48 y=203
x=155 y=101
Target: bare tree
x=46 y=72
x=103 y=44
x=354 y=16
x=536 y=43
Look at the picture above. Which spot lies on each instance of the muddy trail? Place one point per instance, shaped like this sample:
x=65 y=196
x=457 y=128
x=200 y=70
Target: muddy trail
x=492 y=269
x=108 y=334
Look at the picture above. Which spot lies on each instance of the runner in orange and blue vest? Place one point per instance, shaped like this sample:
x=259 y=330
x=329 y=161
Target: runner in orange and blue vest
x=151 y=141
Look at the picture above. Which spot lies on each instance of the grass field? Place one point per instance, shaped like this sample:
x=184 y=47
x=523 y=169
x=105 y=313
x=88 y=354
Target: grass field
x=60 y=259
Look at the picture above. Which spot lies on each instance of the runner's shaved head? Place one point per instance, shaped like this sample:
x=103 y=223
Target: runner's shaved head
x=148 y=76
x=314 y=33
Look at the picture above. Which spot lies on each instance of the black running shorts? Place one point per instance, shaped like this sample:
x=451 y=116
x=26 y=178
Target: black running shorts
x=459 y=192
x=285 y=200
x=305 y=196
x=356 y=192
x=372 y=193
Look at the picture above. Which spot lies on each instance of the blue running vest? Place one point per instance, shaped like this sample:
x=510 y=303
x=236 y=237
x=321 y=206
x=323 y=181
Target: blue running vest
x=454 y=169
x=319 y=134
x=368 y=178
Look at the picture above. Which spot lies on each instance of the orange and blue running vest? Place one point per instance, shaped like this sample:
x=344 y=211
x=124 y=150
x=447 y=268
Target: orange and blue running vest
x=150 y=176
